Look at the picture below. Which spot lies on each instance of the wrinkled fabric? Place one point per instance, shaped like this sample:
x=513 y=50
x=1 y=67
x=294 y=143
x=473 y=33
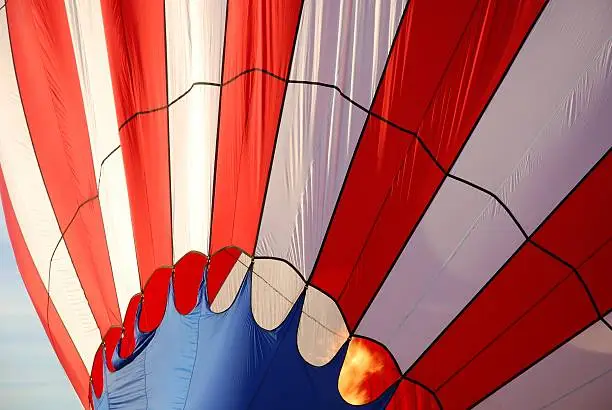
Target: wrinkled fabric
x=207 y=360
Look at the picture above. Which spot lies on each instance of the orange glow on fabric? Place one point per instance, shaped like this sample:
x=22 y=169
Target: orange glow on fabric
x=360 y=365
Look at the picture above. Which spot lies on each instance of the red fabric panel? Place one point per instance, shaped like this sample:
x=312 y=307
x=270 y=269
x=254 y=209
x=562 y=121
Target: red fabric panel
x=411 y=396
x=50 y=90
x=427 y=38
x=110 y=341
x=581 y=226
x=128 y=342
x=155 y=300
x=54 y=327
x=188 y=273
x=221 y=264
x=367 y=372
x=556 y=320
x=596 y=274
x=260 y=34
x=97 y=373
x=440 y=94
x=391 y=182
x=250 y=107
x=532 y=305
x=519 y=286
x=492 y=39
x=135 y=38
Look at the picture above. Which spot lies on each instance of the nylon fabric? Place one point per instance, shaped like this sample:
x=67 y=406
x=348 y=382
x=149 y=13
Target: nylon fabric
x=194 y=48
x=61 y=341
x=251 y=103
x=535 y=303
x=35 y=234
x=264 y=367
x=51 y=100
x=343 y=44
x=91 y=56
x=530 y=160
x=393 y=177
x=136 y=44
x=397 y=204
x=568 y=378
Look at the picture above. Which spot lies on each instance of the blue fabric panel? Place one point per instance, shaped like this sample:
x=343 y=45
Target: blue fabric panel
x=208 y=360
x=170 y=358
x=235 y=352
x=125 y=389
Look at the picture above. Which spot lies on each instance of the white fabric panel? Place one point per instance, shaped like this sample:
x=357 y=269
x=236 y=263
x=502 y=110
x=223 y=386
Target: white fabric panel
x=554 y=103
x=342 y=43
x=194 y=33
x=593 y=395
x=227 y=294
x=346 y=43
x=276 y=287
x=322 y=331
x=576 y=376
x=318 y=133
x=89 y=41
x=193 y=132
x=72 y=306
x=195 y=30
x=462 y=240
x=550 y=120
x=117 y=219
x=34 y=212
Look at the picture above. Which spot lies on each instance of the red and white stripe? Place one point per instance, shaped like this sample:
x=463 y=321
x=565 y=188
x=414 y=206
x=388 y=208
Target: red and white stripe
x=574 y=377
x=390 y=157
x=542 y=132
x=87 y=32
x=341 y=44
x=73 y=324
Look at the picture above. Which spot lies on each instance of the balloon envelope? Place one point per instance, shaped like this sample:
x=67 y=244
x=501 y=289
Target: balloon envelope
x=314 y=204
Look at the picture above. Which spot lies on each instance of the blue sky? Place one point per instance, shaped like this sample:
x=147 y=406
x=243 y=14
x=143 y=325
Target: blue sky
x=31 y=377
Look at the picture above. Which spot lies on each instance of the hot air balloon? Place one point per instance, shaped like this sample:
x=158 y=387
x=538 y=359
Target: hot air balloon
x=312 y=204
